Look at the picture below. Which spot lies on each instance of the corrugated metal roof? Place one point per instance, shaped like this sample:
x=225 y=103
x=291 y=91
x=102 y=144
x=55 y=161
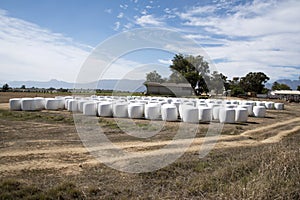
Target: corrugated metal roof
x=286 y=92
x=185 y=85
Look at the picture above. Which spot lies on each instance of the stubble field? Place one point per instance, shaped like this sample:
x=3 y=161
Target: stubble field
x=42 y=157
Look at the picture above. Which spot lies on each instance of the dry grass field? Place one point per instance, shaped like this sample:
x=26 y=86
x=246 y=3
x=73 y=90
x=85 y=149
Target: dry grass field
x=42 y=157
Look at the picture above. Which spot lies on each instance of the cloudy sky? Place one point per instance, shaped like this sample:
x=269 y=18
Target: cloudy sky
x=51 y=39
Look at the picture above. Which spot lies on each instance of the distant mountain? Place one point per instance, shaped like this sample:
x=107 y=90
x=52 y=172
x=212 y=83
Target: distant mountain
x=108 y=84
x=292 y=83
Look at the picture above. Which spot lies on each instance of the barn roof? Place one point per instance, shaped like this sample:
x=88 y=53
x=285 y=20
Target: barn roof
x=286 y=92
x=182 y=85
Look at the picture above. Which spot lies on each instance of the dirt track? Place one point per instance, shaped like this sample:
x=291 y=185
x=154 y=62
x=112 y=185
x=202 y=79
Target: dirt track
x=27 y=145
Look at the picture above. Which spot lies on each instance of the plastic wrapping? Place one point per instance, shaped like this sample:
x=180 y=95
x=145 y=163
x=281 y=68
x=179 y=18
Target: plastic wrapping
x=90 y=108
x=279 y=106
x=205 y=114
x=105 y=109
x=136 y=110
x=120 y=109
x=169 y=112
x=15 y=104
x=227 y=115
x=190 y=114
x=152 y=111
x=241 y=114
x=259 y=111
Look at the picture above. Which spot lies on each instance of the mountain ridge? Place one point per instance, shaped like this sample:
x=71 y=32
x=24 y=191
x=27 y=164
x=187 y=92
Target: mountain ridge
x=105 y=84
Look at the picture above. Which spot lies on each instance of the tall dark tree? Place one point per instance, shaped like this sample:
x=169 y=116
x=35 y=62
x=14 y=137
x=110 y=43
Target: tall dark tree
x=254 y=82
x=192 y=69
x=154 y=76
x=235 y=87
x=218 y=82
x=280 y=86
x=298 y=88
x=23 y=87
x=5 y=87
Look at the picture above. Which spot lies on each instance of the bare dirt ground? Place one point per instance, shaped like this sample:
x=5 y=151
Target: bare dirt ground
x=54 y=149
x=40 y=145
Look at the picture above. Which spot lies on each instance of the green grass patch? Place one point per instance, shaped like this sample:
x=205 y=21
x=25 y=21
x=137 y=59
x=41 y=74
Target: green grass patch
x=36 y=116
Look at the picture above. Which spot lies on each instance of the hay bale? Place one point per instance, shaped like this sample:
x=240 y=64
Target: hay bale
x=279 y=106
x=190 y=114
x=152 y=111
x=15 y=104
x=90 y=108
x=205 y=114
x=136 y=110
x=105 y=109
x=169 y=112
x=227 y=115
x=259 y=111
x=241 y=114
x=120 y=109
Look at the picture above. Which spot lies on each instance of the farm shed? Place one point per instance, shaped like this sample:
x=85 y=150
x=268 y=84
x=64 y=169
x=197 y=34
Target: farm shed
x=177 y=89
x=289 y=95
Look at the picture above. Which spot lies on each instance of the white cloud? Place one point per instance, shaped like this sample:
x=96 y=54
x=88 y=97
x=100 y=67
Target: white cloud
x=148 y=20
x=144 y=12
x=117 y=26
x=166 y=62
x=125 y=6
x=260 y=35
x=120 y=15
x=108 y=10
x=128 y=26
x=29 y=52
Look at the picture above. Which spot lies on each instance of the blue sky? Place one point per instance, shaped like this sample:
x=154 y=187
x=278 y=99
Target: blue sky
x=42 y=40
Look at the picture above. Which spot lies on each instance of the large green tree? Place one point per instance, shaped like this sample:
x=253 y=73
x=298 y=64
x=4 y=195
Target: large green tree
x=5 y=87
x=154 y=76
x=192 y=69
x=218 y=82
x=280 y=86
x=254 y=82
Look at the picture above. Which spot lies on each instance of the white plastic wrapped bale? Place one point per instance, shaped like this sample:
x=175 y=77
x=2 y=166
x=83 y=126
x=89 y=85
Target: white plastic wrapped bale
x=215 y=112
x=230 y=105
x=227 y=115
x=90 y=108
x=269 y=105
x=27 y=104
x=105 y=109
x=120 y=109
x=136 y=110
x=241 y=114
x=67 y=99
x=54 y=104
x=39 y=103
x=176 y=104
x=205 y=114
x=190 y=114
x=169 y=112
x=279 y=106
x=259 y=103
x=80 y=105
x=152 y=111
x=249 y=109
x=31 y=104
x=72 y=105
x=185 y=104
x=234 y=102
x=15 y=104
x=259 y=111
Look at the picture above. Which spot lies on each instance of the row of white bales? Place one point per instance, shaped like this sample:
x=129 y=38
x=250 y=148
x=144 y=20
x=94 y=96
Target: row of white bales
x=153 y=108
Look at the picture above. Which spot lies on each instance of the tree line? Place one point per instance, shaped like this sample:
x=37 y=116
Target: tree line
x=195 y=71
